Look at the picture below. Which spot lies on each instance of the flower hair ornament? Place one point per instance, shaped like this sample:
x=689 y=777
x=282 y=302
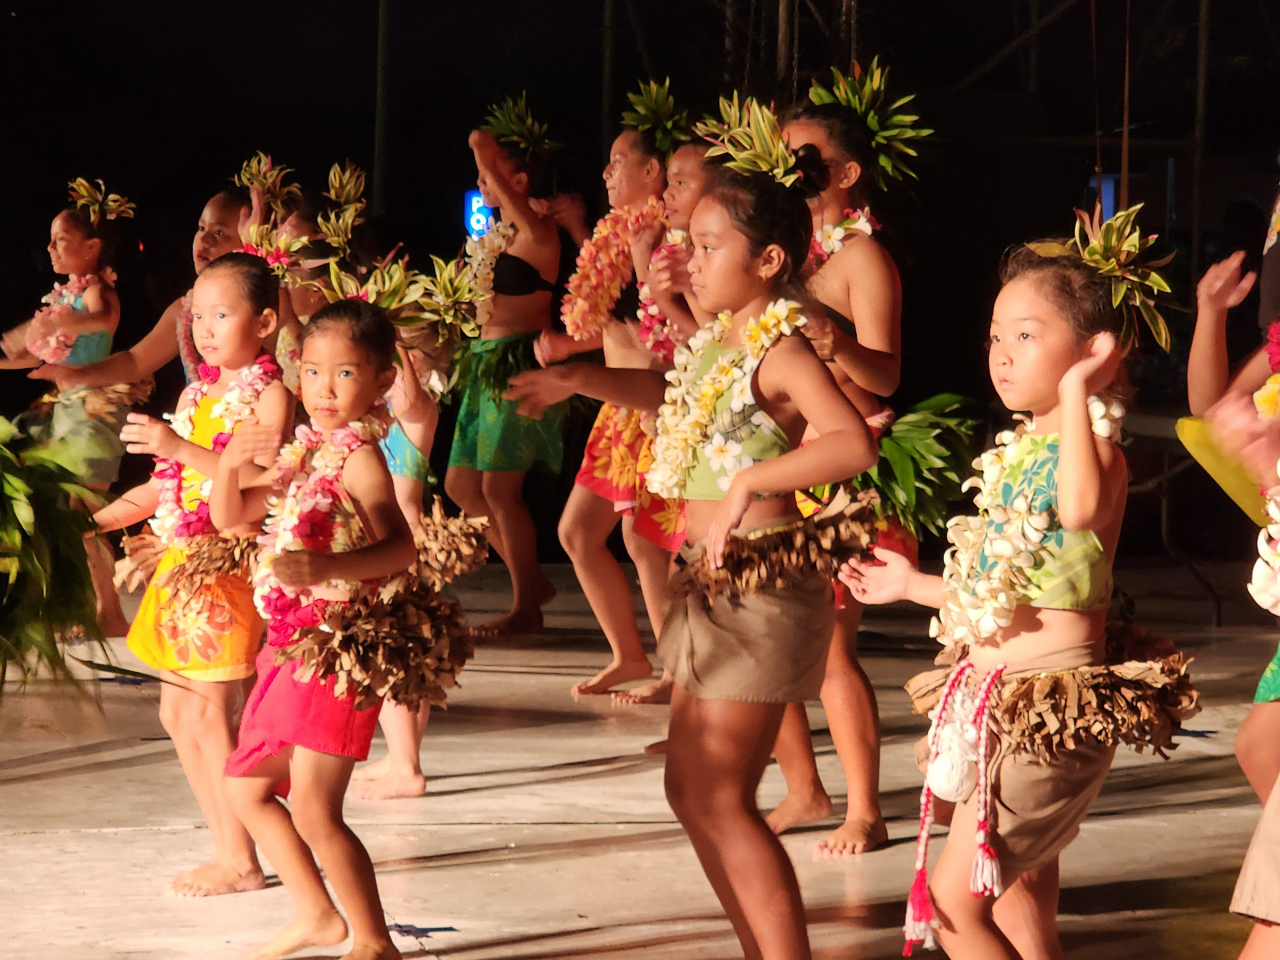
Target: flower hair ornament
x=866 y=94
x=1115 y=248
x=512 y=124
x=346 y=189
x=259 y=171
x=97 y=202
x=653 y=110
x=748 y=134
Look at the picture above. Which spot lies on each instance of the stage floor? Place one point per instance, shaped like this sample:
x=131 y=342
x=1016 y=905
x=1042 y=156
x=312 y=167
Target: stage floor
x=545 y=833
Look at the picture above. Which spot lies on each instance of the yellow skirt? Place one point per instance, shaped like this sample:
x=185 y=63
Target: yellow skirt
x=213 y=637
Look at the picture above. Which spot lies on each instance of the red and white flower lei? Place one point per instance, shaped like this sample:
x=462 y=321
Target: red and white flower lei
x=304 y=519
x=656 y=331
x=172 y=521
x=603 y=266
x=57 y=346
x=828 y=240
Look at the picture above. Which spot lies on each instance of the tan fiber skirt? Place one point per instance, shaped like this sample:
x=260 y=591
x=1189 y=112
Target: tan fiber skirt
x=1258 y=889
x=769 y=646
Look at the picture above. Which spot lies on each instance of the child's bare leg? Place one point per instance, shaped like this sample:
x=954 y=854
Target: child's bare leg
x=854 y=719
x=517 y=545
x=1263 y=943
x=198 y=717
x=1256 y=747
x=652 y=564
x=715 y=758
x=317 y=922
x=399 y=774
x=968 y=931
x=1027 y=914
x=806 y=800
x=101 y=562
x=584 y=529
x=319 y=782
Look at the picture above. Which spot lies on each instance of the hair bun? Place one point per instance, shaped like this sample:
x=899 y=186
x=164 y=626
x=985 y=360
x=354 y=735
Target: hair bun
x=815 y=176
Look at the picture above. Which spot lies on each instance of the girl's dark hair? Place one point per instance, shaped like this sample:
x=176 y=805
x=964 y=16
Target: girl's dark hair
x=234 y=196
x=1081 y=294
x=647 y=145
x=107 y=233
x=363 y=323
x=846 y=130
x=258 y=284
x=536 y=165
x=765 y=212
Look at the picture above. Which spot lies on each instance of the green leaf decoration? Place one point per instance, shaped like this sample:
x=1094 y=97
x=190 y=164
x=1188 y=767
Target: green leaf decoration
x=511 y=123
x=260 y=171
x=1117 y=249
x=98 y=202
x=749 y=135
x=866 y=94
x=346 y=188
x=925 y=454
x=653 y=109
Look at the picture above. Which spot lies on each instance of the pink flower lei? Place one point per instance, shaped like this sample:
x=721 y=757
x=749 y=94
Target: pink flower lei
x=656 y=331
x=172 y=521
x=57 y=346
x=304 y=519
x=603 y=266
x=1273 y=346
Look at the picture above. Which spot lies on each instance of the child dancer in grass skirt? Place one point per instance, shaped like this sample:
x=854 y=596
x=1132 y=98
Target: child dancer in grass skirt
x=1038 y=689
x=349 y=622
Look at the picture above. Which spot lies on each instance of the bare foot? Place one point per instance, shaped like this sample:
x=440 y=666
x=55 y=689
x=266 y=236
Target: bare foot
x=852 y=836
x=658 y=746
x=373 y=771
x=389 y=786
x=657 y=692
x=619 y=671
x=511 y=624
x=797 y=811
x=323 y=931
x=213 y=878
x=368 y=951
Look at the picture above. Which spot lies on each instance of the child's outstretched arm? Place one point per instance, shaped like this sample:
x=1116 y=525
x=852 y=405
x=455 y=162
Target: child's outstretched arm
x=890 y=579
x=144 y=434
x=1208 y=368
x=391 y=549
x=230 y=505
x=536 y=390
x=132 y=506
x=1092 y=476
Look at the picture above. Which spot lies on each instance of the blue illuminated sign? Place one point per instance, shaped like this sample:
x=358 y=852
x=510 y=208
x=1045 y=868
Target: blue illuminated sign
x=475 y=214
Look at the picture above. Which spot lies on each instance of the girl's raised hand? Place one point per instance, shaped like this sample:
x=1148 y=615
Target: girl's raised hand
x=669 y=271
x=1222 y=287
x=252 y=440
x=535 y=390
x=821 y=333
x=552 y=347
x=885 y=581
x=301 y=568
x=1098 y=368
x=143 y=434
x=732 y=509
x=407 y=393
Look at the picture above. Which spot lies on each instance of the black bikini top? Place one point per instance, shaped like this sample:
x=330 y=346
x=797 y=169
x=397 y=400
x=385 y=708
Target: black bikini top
x=841 y=322
x=516 y=277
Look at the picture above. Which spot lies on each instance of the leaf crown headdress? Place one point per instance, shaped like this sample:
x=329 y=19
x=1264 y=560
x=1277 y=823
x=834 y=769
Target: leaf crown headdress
x=748 y=134
x=653 y=111
x=260 y=171
x=97 y=202
x=346 y=188
x=1115 y=248
x=888 y=131
x=512 y=124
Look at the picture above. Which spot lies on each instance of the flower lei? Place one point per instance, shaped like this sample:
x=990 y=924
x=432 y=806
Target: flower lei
x=172 y=521
x=976 y=604
x=304 y=518
x=656 y=331
x=603 y=266
x=684 y=421
x=57 y=346
x=828 y=240
x=482 y=254
x=186 y=336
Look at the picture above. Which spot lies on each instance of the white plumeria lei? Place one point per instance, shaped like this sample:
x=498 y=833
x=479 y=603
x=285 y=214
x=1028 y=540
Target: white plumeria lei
x=828 y=240
x=233 y=407
x=1264 y=585
x=482 y=254
x=977 y=605
x=686 y=417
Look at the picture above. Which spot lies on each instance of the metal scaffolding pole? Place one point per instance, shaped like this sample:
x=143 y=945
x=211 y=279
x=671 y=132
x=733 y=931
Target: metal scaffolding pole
x=1198 y=137
x=606 y=79
x=382 y=110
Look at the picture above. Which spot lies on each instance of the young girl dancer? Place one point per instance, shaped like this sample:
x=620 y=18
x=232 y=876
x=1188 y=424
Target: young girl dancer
x=1023 y=606
x=79 y=428
x=597 y=313
x=749 y=628
x=336 y=539
x=196 y=622
x=517 y=263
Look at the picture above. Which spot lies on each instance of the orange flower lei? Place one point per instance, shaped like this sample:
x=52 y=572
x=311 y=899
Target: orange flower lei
x=604 y=265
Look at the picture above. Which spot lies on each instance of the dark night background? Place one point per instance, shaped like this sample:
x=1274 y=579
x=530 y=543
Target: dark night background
x=164 y=100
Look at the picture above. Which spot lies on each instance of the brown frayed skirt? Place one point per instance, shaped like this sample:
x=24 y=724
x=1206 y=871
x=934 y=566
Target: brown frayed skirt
x=1257 y=893
x=767 y=646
